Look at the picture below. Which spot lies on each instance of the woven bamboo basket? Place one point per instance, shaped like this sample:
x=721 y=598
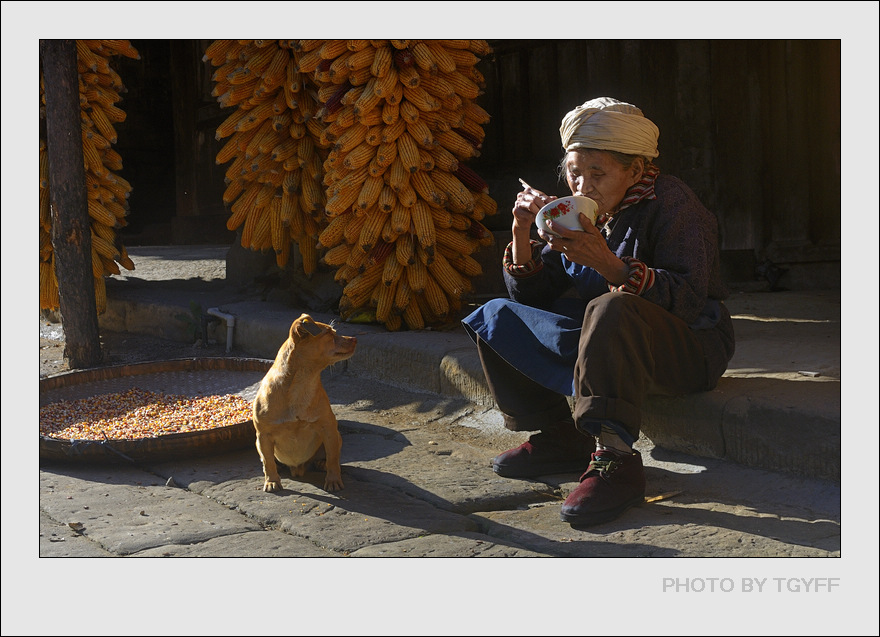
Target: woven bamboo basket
x=190 y=377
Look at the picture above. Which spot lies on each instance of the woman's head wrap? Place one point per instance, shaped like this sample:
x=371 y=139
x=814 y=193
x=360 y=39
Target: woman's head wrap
x=608 y=124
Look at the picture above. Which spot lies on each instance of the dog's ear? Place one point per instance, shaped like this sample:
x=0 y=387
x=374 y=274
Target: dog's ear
x=305 y=326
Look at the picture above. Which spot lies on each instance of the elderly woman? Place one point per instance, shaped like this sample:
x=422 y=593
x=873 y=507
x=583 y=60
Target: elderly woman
x=628 y=306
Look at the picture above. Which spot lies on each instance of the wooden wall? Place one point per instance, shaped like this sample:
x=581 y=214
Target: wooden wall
x=752 y=125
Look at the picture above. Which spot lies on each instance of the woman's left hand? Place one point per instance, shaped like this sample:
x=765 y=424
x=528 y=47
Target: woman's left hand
x=587 y=247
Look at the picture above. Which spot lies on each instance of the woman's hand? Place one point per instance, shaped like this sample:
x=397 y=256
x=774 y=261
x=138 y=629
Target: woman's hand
x=588 y=248
x=528 y=203
x=525 y=209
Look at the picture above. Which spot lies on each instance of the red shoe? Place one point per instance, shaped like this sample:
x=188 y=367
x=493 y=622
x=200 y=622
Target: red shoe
x=612 y=483
x=561 y=450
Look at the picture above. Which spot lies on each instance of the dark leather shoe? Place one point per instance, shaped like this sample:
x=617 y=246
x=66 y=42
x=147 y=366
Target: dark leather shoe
x=612 y=483
x=558 y=450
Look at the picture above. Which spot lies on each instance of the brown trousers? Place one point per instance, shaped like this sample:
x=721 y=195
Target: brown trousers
x=629 y=347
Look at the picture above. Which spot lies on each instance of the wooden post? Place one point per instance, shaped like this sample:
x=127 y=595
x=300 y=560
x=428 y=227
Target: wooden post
x=71 y=233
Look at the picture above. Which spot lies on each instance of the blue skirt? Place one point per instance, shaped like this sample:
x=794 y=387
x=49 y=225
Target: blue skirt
x=542 y=345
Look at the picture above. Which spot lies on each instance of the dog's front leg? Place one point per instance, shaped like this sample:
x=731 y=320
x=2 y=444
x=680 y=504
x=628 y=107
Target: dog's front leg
x=266 y=449
x=333 y=449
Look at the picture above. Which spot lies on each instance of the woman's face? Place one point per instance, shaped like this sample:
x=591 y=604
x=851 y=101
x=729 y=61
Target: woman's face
x=595 y=174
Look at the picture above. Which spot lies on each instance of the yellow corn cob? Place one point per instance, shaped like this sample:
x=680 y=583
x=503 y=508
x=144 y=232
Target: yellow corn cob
x=372 y=229
x=381 y=65
x=403 y=249
x=359 y=156
x=436 y=298
x=472 y=130
x=385 y=300
x=391 y=271
x=443 y=159
x=262 y=235
x=485 y=204
x=450 y=279
x=362 y=58
x=420 y=98
x=406 y=196
x=442 y=218
x=424 y=58
x=467 y=265
x=368 y=100
x=409 y=112
x=402 y=295
x=458 y=196
x=445 y=63
x=277 y=230
x=456 y=144
x=312 y=197
x=357 y=259
x=424 y=185
x=390 y=113
x=397 y=175
x=337 y=255
x=360 y=77
x=103 y=231
x=437 y=86
x=476 y=113
x=457 y=240
x=352 y=137
x=276 y=73
x=309 y=254
x=332 y=49
x=385 y=84
x=304 y=46
x=412 y=315
x=408 y=151
x=460 y=55
x=423 y=223
x=97 y=264
x=342 y=201
x=386 y=153
x=369 y=194
x=392 y=132
x=400 y=217
x=307 y=62
x=358 y=291
x=417 y=275
x=420 y=132
x=387 y=198
x=333 y=234
x=352 y=230
x=100 y=214
x=103 y=247
x=100 y=295
x=357 y=45
x=409 y=76
x=108 y=266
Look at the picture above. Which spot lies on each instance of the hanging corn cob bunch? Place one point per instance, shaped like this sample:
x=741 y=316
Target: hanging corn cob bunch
x=273 y=182
x=99 y=91
x=404 y=209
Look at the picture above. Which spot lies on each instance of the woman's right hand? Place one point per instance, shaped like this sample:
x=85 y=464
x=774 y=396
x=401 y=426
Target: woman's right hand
x=528 y=203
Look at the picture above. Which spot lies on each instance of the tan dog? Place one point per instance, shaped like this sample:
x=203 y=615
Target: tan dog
x=292 y=415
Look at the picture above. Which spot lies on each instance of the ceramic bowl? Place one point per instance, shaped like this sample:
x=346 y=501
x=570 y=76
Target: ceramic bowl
x=565 y=211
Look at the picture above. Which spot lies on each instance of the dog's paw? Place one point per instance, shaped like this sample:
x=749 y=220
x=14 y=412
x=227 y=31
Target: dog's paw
x=333 y=483
x=271 y=486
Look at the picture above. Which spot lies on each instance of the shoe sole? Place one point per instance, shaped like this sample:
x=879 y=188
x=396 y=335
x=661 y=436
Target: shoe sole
x=542 y=470
x=592 y=519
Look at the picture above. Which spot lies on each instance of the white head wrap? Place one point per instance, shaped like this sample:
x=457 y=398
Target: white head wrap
x=608 y=124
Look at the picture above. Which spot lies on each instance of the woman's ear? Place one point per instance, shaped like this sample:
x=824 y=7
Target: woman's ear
x=637 y=169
